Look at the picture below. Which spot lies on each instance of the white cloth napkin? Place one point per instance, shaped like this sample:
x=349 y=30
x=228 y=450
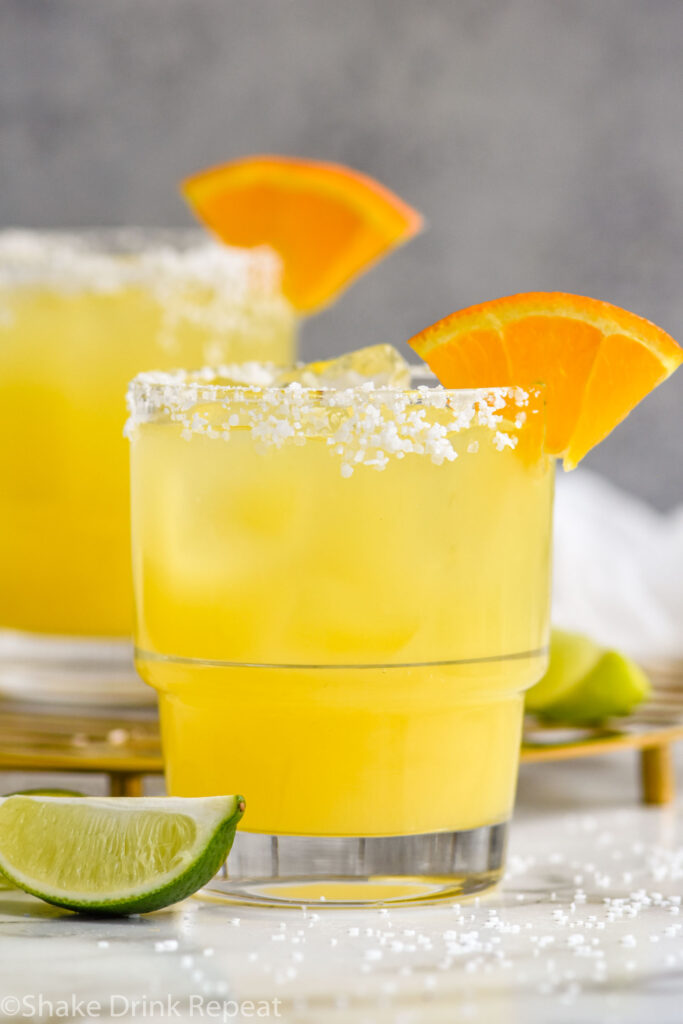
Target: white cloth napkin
x=618 y=569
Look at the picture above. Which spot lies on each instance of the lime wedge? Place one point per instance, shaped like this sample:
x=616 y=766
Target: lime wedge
x=115 y=855
x=45 y=792
x=614 y=687
x=572 y=657
x=585 y=683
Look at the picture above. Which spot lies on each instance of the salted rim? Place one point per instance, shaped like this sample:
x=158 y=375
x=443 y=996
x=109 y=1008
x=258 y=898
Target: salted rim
x=364 y=424
x=107 y=259
x=163 y=387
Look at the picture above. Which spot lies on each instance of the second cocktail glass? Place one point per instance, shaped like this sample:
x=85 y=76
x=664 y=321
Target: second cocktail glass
x=341 y=596
x=79 y=315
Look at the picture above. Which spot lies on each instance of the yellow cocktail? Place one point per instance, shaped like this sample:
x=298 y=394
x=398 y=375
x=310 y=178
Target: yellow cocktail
x=342 y=594
x=79 y=315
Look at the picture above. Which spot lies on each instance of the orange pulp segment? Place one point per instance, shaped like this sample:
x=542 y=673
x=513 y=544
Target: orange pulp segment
x=327 y=222
x=597 y=361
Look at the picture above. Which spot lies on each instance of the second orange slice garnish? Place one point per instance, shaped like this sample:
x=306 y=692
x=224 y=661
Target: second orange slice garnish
x=327 y=222
x=597 y=361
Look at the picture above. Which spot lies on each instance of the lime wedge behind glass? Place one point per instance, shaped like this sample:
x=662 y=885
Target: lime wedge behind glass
x=585 y=684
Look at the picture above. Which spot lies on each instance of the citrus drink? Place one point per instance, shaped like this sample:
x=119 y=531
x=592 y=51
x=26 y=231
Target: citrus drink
x=79 y=315
x=341 y=597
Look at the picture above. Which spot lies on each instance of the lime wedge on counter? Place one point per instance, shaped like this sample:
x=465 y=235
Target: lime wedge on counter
x=45 y=792
x=115 y=855
x=585 y=683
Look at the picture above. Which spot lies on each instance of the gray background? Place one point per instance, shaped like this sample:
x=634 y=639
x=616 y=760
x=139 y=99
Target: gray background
x=543 y=140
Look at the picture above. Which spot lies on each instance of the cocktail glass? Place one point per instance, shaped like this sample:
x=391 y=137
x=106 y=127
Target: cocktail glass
x=79 y=315
x=341 y=597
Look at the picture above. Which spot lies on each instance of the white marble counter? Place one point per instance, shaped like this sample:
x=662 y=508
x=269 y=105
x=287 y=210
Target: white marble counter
x=588 y=927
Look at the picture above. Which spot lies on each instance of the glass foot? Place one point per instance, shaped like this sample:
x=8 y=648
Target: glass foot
x=356 y=871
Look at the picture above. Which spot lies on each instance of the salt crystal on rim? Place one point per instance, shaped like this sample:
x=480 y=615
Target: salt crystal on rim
x=365 y=425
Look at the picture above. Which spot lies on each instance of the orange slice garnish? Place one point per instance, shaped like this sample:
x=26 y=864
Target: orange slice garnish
x=328 y=223
x=597 y=361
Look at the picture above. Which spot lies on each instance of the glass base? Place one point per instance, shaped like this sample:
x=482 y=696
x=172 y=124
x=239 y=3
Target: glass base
x=70 y=670
x=354 y=871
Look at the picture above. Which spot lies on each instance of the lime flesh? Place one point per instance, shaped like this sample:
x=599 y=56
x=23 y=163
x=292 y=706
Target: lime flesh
x=111 y=855
x=4 y=881
x=585 y=683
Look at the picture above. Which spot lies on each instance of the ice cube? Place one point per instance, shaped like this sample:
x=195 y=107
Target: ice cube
x=382 y=365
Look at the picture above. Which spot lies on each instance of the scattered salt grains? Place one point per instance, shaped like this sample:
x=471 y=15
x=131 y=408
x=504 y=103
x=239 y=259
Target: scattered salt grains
x=481 y=940
x=373 y=954
x=166 y=946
